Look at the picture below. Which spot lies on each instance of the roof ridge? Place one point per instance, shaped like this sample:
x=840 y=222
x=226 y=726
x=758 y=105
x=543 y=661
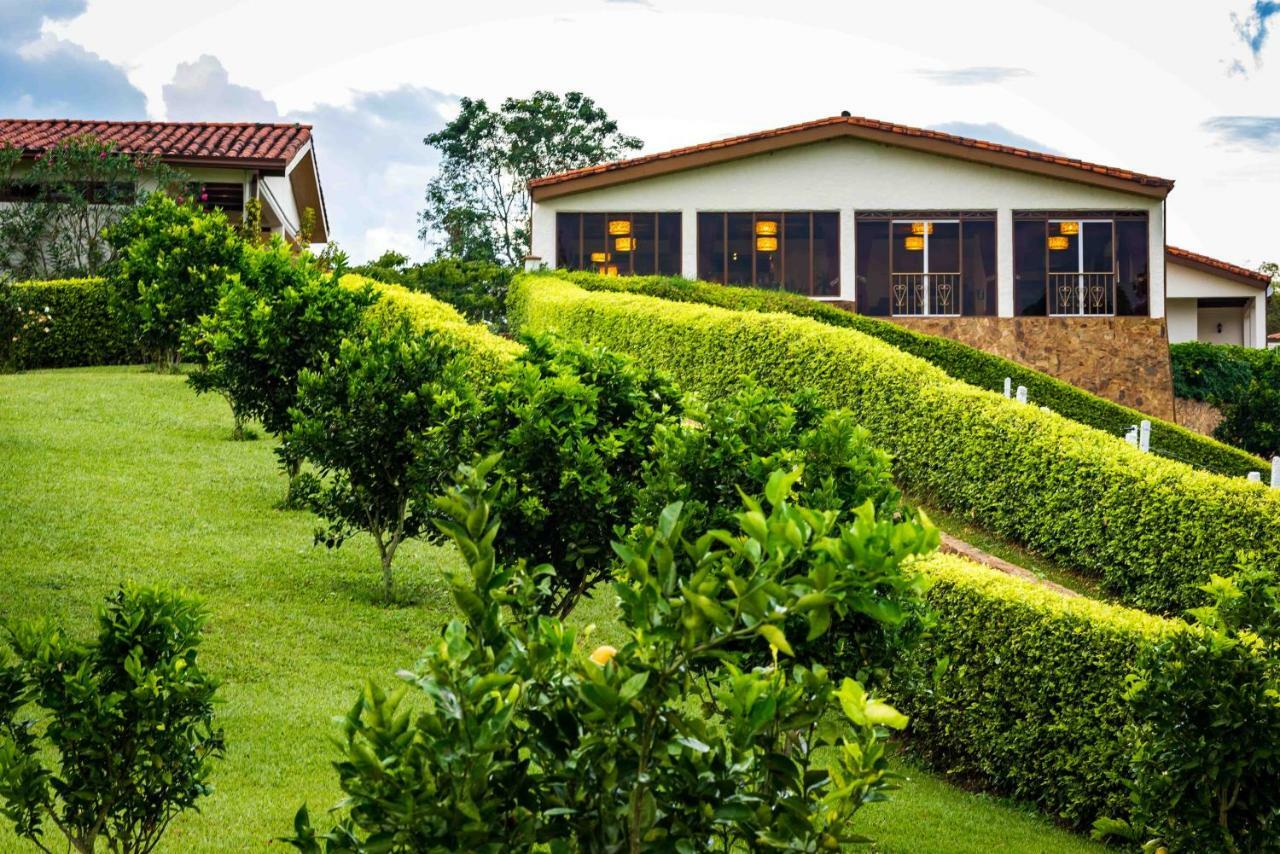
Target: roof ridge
x=1208 y=260
x=155 y=122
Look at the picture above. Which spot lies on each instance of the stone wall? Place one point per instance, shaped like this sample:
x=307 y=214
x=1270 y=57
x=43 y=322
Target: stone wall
x=1125 y=359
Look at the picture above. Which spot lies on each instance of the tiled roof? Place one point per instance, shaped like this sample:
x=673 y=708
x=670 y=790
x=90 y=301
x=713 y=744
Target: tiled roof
x=248 y=144
x=1204 y=262
x=973 y=148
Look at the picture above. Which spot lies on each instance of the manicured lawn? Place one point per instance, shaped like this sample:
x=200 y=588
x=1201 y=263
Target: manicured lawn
x=110 y=474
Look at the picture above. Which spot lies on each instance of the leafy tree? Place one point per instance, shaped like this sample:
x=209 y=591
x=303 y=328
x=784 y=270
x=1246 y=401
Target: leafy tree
x=279 y=317
x=1251 y=419
x=122 y=740
x=1272 y=269
x=386 y=422
x=70 y=195
x=172 y=261
x=667 y=743
x=478 y=289
x=574 y=426
x=480 y=200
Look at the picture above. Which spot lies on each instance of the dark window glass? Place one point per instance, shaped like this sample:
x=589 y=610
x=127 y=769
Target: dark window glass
x=796 y=233
x=569 y=241
x=644 y=257
x=1098 y=254
x=826 y=254
x=739 y=247
x=767 y=233
x=907 y=258
x=944 y=248
x=978 y=258
x=1133 y=267
x=1064 y=255
x=872 y=262
x=711 y=247
x=1029 y=268
x=670 y=245
x=595 y=253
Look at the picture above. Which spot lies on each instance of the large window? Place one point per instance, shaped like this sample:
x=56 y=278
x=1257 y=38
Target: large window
x=619 y=244
x=930 y=263
x=1073 y=263
x=798 y=251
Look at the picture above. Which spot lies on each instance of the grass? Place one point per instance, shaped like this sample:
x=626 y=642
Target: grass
x=114 y=474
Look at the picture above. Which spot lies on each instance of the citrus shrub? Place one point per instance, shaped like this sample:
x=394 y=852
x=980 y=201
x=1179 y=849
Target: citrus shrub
x=528 y=739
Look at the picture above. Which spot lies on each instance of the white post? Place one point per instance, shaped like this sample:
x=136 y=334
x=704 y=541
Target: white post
x=1022 y=394
x=1144 y=436
x=1008 y=386
x=1255 y=477
x=1131 y=436
x=1275 y=472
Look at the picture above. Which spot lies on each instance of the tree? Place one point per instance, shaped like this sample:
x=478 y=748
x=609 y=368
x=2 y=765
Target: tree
x=478 y=289
x=480 y=200
x=123 y=738
x=1251 y=419
x=70 y=195
x=386 y=422
x=1272 y=269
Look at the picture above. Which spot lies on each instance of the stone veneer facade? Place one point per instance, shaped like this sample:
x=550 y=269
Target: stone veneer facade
x=1125 y=359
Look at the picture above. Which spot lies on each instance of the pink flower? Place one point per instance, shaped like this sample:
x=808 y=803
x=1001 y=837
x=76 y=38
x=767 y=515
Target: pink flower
x=204 y=197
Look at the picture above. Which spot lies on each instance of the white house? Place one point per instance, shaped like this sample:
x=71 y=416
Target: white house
x=229 y=162
x=1213 y=301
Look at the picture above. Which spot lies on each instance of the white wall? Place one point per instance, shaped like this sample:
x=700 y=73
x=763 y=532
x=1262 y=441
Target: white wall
x=1247 y=326
x=1221 y=326
x=1181 y=316
x=848 y=175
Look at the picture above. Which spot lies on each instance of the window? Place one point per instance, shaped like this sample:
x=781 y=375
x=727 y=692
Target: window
x=225 y=195
x=931 y=263
x=1075 y=263
x=798 y=251
x=619 y=244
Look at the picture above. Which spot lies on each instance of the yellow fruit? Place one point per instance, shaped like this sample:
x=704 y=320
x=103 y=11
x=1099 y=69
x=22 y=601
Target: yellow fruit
x=603 y=655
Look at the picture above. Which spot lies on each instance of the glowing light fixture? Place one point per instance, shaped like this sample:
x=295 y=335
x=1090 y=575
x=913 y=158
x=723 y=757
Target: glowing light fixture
x=611 y=270
x=922 y=228
x=619 y=226
x=599 y=257
x=1068 y=228
x=766 y=227
x=766 y=244
x=624 y=244
x=914 y=244
x=1058 y=243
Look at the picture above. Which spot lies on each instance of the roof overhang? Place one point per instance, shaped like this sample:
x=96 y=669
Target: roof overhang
x=1214 y=267
x=304 y=180
x=932 y=142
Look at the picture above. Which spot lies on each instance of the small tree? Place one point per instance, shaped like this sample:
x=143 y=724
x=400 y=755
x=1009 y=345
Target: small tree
x=1251 y=419
x=124 y=737
x=386 y=422
x=478 y=289
x=173 y=261
x=279 y=317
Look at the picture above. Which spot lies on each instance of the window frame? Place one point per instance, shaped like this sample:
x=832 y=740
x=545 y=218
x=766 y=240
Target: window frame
x=1049 y=218
x=781 y=215
x=584 y=252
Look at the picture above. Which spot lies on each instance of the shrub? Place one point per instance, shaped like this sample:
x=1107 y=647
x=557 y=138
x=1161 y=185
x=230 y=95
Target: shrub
x=124 y=740
x=1152 y=529
x=984 y=370
x=172 y=260
x=574 y=426
x=386 y=422
x=526 y=741
x=63 y=324
x=1251 y=419
x=1216 y=373
x=478 y=289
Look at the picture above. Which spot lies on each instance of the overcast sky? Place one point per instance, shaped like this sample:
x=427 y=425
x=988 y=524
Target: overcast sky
x=1187 y=90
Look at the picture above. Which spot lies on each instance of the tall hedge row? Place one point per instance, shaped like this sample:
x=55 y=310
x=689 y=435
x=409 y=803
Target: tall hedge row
x=978 y=368
x=1150 y=528
x=1030 y=700
x=82 y=328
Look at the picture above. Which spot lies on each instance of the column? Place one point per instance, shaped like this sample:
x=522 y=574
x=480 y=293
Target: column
x=689 y=243
x=1004 y=262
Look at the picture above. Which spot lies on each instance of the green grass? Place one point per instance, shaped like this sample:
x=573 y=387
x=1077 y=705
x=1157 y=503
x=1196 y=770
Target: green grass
x=114 y=474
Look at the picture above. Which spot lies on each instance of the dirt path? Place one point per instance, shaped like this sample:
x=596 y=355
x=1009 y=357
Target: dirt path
x=952 y=545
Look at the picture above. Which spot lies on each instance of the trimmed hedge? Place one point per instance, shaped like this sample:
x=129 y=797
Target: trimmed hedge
x=1151 y=528
x=83 y=329
x=961 y=361
x=1217 y=373
x=1030 y=700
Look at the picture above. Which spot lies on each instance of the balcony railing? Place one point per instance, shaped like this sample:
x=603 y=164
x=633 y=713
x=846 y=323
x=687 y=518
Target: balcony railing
x=1082 y=293
x=926 y=294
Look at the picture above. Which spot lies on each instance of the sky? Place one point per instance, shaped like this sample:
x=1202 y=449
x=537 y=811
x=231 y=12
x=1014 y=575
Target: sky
x=1188 y=90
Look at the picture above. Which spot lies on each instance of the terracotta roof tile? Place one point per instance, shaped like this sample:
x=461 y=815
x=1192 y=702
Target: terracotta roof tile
x=858 y=122
x=268 y=145
x=1195 y=259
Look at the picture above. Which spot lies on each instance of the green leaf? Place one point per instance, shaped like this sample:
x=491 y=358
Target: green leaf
x=776 y=638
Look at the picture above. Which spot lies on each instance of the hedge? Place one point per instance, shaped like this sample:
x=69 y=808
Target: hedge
x=1030 y=698
x=1150 y=528
x=83 y=330
x=1217 y=373
x=961 y=361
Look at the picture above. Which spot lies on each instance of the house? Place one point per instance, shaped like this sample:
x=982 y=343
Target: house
x=1054 y=262
x=231 y=162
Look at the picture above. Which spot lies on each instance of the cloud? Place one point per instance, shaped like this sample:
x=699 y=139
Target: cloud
x=202 y=91
x=1254 y=28
x=648 y=4
x=1261 y=133
x=973 y=75
x=373 y=164
x=993 y=132
x=47 y=77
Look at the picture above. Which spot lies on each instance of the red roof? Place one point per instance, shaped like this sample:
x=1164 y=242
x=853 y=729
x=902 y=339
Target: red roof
x=243 y=144
x=945 y=143
x=1213 y=265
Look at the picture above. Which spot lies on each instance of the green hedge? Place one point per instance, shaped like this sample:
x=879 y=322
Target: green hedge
x=1217 y=373
x=83 y=329
x=1151 y=528
x=961 y=361
x=1030 y=701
